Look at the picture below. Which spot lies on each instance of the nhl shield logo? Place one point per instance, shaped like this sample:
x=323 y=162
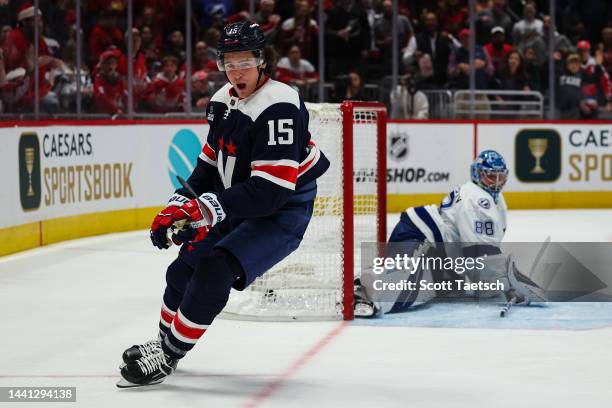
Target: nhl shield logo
x=398 y=146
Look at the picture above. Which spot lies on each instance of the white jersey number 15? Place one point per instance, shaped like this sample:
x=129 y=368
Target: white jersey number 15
x=284 y=133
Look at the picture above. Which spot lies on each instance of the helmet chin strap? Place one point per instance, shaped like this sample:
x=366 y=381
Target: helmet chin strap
x=261 y=71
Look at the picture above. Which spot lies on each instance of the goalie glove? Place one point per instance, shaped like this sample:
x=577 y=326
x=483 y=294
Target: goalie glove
x=503 y=268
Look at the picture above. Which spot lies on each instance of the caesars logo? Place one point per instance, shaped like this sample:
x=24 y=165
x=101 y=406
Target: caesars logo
x=398 y=146
x=29 y=171
x=590 y=157
x=537 y=155
x=67 y=174
x=182 y=155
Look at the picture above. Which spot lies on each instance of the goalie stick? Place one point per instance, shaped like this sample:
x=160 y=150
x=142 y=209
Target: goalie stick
x=506 y=308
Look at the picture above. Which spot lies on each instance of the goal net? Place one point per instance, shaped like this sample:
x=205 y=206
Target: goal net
x=316 y=281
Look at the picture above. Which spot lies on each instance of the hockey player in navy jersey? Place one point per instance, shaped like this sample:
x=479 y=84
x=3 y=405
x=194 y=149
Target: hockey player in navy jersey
x=473 y=217
x=255 y=181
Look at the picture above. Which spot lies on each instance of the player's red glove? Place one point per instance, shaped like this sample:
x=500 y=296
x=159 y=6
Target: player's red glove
x=200 y=215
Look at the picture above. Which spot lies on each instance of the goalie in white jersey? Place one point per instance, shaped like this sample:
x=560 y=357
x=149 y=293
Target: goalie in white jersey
x=472 y=217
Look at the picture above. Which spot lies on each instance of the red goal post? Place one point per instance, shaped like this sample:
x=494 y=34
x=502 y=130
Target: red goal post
x=316 y=281
x=362 y=113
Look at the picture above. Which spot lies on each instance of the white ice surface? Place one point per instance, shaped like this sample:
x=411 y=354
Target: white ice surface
x=70 y=310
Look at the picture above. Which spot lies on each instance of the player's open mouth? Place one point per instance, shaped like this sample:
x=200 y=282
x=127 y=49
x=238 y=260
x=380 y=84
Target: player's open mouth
x=241 y=86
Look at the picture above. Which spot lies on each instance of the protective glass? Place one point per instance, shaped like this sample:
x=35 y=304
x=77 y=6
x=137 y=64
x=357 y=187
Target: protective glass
x=493 y=180
x=245 y=63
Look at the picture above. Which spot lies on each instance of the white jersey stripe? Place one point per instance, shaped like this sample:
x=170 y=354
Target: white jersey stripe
x=420 y=224
x=316 y=155
x=282 y=162
x=207 y=159
x=189 y=323
x=273 y=179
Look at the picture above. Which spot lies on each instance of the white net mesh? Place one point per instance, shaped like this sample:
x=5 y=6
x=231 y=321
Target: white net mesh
x=308 y=284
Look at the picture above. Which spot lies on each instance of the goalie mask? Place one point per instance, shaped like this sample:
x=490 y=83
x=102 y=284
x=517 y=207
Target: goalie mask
x=489 y=171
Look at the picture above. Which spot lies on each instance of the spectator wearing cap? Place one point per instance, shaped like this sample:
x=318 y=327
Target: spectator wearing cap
x=294 y=70
x=104 y=35
x=498 y=49
x=110 y=94
x=459 y=65
x=432 y=49
x=529 y=23
x=268 y=20
x=568 y=94
x=19 y=53
x=200 y=92
x=596 y=85
x=300 y=30
x=167 y=91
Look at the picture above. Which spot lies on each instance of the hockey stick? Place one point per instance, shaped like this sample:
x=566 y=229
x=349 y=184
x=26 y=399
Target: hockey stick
x=200 y=203
x=506 y=308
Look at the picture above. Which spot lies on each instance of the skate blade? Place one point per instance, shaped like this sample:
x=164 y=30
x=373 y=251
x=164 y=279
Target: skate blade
x=123 y=383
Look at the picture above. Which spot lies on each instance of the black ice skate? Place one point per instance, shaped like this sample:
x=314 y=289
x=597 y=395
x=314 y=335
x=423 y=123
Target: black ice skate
x=138 y=351
x=149 y=370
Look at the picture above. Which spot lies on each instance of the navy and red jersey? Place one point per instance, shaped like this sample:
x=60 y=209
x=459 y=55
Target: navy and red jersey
x=259 y=154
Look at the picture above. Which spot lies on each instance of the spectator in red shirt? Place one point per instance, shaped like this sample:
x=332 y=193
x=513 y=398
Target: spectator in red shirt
x=19 y=53
x=298 y=30
x=596 y=86
x=453 y=17
x=104 y=35
x=498 y=49
x=167 y=91
x=267 y=20
x=294 y=70
x=148 y=19
x=201 y=62
x=139 y=67
x=110 y=95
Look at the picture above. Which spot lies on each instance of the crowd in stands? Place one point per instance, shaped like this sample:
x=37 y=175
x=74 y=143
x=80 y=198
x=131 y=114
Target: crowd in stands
x=511 y=51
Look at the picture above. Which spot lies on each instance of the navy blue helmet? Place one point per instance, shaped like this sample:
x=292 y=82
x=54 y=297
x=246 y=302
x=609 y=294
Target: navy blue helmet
x=242 y=36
